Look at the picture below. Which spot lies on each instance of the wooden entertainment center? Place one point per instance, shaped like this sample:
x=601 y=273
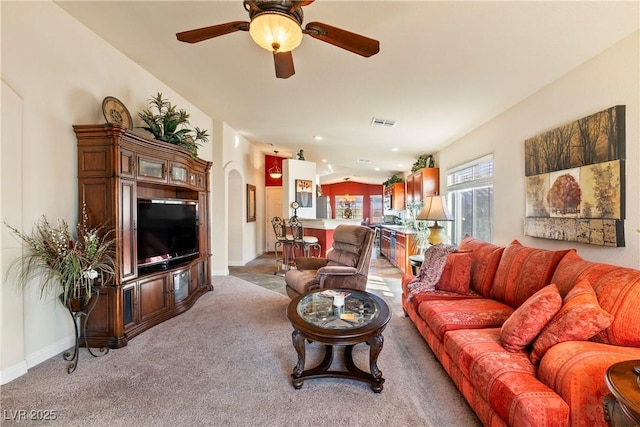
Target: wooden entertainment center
x=116 y=167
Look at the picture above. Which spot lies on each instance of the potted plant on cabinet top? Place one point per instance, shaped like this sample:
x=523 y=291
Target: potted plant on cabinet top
x=170 y=125
x=64 y=262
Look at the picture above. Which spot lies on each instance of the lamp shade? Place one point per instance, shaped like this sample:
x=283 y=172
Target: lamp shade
x=435 y=209
x=275 y=31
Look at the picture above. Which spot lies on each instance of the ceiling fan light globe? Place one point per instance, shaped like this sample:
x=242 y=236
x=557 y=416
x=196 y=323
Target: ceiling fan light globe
x=275 y=31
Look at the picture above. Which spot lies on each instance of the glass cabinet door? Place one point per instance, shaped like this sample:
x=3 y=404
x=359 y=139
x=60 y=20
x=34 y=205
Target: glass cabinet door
x=151 y=168
x=179 y=173
x=180 y=286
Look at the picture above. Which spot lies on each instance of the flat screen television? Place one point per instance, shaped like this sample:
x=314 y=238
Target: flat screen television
x=167 y=230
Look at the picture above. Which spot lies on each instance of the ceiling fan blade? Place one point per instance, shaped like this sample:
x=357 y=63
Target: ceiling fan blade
x=200 y=34
x=284 y=64
x=361 y=45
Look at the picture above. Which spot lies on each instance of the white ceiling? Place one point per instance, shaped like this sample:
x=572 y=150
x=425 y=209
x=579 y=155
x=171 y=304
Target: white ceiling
x=444 y=68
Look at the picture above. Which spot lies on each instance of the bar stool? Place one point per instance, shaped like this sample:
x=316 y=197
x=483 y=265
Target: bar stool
x=302 y=241
x=284 y=241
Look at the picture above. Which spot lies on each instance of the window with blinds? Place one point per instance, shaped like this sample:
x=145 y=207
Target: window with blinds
x=470 y=197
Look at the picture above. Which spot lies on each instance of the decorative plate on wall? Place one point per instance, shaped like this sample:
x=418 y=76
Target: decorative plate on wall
x=115 y=112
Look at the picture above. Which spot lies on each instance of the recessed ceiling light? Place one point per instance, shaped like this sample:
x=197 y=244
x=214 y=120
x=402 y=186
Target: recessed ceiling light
x=324 y=160
x=395 y=149
x=317 y=137
x=376 y=169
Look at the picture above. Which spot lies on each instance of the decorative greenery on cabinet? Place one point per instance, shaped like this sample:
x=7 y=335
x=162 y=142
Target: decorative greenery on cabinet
x=170 y=125
x=392 y=180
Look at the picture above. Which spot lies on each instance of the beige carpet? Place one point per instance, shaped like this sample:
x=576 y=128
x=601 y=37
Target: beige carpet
x=227 y=362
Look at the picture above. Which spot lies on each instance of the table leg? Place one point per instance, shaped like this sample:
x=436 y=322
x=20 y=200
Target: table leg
x=375 y=348
x=298 y=343
x=374 y=378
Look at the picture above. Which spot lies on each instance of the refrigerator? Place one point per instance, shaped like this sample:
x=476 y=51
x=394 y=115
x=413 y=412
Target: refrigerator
x=323 y=207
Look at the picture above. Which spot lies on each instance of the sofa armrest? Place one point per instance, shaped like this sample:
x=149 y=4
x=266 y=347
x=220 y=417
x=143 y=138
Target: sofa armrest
x=310 y=263
x=576 y=371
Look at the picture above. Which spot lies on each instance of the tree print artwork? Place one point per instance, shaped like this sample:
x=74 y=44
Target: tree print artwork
x=574 y=186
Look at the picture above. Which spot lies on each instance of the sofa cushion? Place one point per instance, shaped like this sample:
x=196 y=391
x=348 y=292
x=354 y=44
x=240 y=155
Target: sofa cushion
x=470 y=313
x=522 y=272
x=524 y=325
x=506 y=380
x=430 y=294
x=456 y=274
x=485 y=260
x=579 y=319
x=617 y=289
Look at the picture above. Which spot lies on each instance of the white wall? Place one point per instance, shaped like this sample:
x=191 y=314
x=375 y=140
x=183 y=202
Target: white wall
x=55 y=73
x=235 y=241
x=611 y=78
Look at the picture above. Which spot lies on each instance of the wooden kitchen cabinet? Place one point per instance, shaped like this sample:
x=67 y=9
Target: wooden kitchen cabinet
x=394 y=196
x=397 y=246
x=422 y=183
x=385 y=243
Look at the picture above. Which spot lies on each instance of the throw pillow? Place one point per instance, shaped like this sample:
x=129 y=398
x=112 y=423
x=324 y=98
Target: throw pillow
x=486 y=257
x=456 y=275
x=524 y=324
x=580 y=318
x=522 y=272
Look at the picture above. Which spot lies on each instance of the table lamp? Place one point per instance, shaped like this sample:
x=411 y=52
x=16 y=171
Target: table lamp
x=435 y=209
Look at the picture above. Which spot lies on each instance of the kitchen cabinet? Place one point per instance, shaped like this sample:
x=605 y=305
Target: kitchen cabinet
x=385 y=242
x=397 y=244
x=394 y=196
x=422 y=183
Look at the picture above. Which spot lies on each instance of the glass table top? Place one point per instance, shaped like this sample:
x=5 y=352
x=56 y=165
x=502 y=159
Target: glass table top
x=322 y=308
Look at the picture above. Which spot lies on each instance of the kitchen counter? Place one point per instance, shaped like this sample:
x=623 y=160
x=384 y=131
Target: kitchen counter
x=326 y=224
x=405 y=229
x=397 y=243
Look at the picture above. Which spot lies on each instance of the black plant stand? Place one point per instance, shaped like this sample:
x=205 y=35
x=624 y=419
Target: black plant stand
x=81 y=330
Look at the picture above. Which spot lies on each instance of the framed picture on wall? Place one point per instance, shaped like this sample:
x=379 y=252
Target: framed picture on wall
x=304 y=193
x=251 y=203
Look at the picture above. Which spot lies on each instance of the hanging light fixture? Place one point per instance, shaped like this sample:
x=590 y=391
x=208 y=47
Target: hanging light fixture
x=275 y=172
x=347 y=199
x=275 y=31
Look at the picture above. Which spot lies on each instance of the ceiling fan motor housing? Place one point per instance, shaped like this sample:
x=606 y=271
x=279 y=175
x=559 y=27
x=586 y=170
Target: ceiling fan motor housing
x=286 y=7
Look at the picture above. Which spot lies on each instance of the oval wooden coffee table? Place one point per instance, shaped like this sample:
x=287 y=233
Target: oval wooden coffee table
x=361 y=320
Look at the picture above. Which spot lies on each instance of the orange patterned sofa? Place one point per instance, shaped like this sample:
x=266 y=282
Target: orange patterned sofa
x=527 y=334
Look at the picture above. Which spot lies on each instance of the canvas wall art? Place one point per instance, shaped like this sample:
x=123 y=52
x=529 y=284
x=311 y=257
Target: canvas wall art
x=304 y=193
x=574 y=178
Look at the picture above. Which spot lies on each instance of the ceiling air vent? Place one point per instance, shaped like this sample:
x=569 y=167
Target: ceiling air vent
x=364 y=161
x=383 y=122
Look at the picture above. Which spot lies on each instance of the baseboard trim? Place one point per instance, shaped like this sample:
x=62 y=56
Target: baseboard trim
x=34 y=359
x=10 y=374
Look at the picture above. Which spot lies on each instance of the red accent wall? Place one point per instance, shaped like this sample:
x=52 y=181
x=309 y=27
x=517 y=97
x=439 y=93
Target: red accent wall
x=268 y=164
x=354 y=188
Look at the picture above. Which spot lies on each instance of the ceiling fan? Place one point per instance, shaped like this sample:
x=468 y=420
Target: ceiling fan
x=276 y=25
